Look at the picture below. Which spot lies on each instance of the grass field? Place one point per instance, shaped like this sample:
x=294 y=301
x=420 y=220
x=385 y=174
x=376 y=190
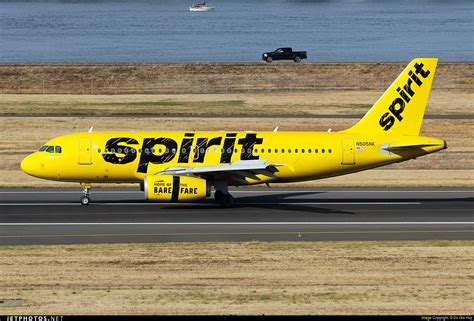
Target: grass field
x=391 y=277
x=354 y=102
x=215 y=78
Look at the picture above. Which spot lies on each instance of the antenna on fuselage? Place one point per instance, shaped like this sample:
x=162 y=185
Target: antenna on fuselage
x=90 y=129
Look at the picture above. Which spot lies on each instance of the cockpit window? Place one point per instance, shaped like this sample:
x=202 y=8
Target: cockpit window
x=50 y=149
x=58 y=149
x=43 y=148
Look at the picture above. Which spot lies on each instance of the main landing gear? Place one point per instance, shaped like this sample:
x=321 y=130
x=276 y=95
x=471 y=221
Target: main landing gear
x=222 y=195
x=85 y=199
x=224 y=199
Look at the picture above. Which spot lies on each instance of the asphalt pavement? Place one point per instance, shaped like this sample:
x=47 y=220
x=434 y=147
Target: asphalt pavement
x=55 y=216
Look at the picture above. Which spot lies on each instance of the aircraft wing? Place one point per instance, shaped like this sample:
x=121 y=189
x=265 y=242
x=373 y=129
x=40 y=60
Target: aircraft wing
x=238 y=171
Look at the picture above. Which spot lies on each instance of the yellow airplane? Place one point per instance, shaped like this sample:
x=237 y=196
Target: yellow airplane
x=183 y=166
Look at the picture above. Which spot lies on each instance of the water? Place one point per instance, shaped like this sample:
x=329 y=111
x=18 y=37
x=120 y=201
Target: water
x=166 y=31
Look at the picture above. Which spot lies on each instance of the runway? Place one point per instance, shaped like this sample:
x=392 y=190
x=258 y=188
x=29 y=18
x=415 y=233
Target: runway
x=52 y=216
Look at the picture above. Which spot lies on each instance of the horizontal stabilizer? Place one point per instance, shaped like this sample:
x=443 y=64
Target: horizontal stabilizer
x=406 y=147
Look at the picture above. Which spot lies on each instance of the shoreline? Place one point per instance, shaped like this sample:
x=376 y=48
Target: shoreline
x=246 y=63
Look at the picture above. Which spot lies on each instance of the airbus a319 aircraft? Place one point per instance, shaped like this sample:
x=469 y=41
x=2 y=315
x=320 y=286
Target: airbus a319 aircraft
x=184 y=166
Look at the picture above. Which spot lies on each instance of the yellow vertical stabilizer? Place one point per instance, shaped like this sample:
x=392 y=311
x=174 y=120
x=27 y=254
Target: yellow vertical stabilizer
x=401 y=108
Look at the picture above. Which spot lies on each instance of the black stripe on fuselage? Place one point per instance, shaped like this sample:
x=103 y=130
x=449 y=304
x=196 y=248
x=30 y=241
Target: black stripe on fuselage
x=175 y=193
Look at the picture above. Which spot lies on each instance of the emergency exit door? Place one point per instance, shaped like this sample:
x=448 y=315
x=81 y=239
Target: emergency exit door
x=85 y=151
x=348 y=151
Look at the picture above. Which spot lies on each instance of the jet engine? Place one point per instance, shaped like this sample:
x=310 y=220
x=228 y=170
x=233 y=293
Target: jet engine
x=168 y=188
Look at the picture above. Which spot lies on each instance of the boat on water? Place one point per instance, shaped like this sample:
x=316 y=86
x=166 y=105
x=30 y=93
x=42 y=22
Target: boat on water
x=201 y=7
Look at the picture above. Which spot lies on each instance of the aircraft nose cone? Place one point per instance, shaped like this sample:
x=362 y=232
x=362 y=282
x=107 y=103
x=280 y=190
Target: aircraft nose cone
x=29 y=165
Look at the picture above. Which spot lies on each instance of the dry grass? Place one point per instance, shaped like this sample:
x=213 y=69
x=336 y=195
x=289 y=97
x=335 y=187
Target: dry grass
x=305 y=103
x=391 y=277
x=215 y=78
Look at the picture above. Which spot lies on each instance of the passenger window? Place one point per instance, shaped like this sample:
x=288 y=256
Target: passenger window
x=249 y=150
x=58 y=149
x=282 y=150
x=315 y=150
x=173 y=150
x=276 y=150
x=50 y=149
x=296 y=150
x=140 y=150
x=236 y=150
x=126 y=150
x=269 y=150
x=147 y=151
x=263 y=150
x=309 y=150
x=302 y=150
x=289 y=150
x=112 y=150
x=322 y=150
x=329 y=150
x=255 y=151
x=119 y=150
x=98 y=150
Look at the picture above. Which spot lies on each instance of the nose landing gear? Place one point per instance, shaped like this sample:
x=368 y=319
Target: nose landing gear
x=85 y=199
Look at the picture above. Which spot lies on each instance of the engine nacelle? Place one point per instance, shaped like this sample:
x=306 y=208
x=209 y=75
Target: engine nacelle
x=168 y=188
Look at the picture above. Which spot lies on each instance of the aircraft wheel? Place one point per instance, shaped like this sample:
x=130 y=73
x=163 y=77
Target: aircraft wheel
x=218 y=195
x=227 y=201
x=85 y=200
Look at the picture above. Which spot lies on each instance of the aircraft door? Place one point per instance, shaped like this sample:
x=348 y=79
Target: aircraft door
x=348 y=151
x=85 y=151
